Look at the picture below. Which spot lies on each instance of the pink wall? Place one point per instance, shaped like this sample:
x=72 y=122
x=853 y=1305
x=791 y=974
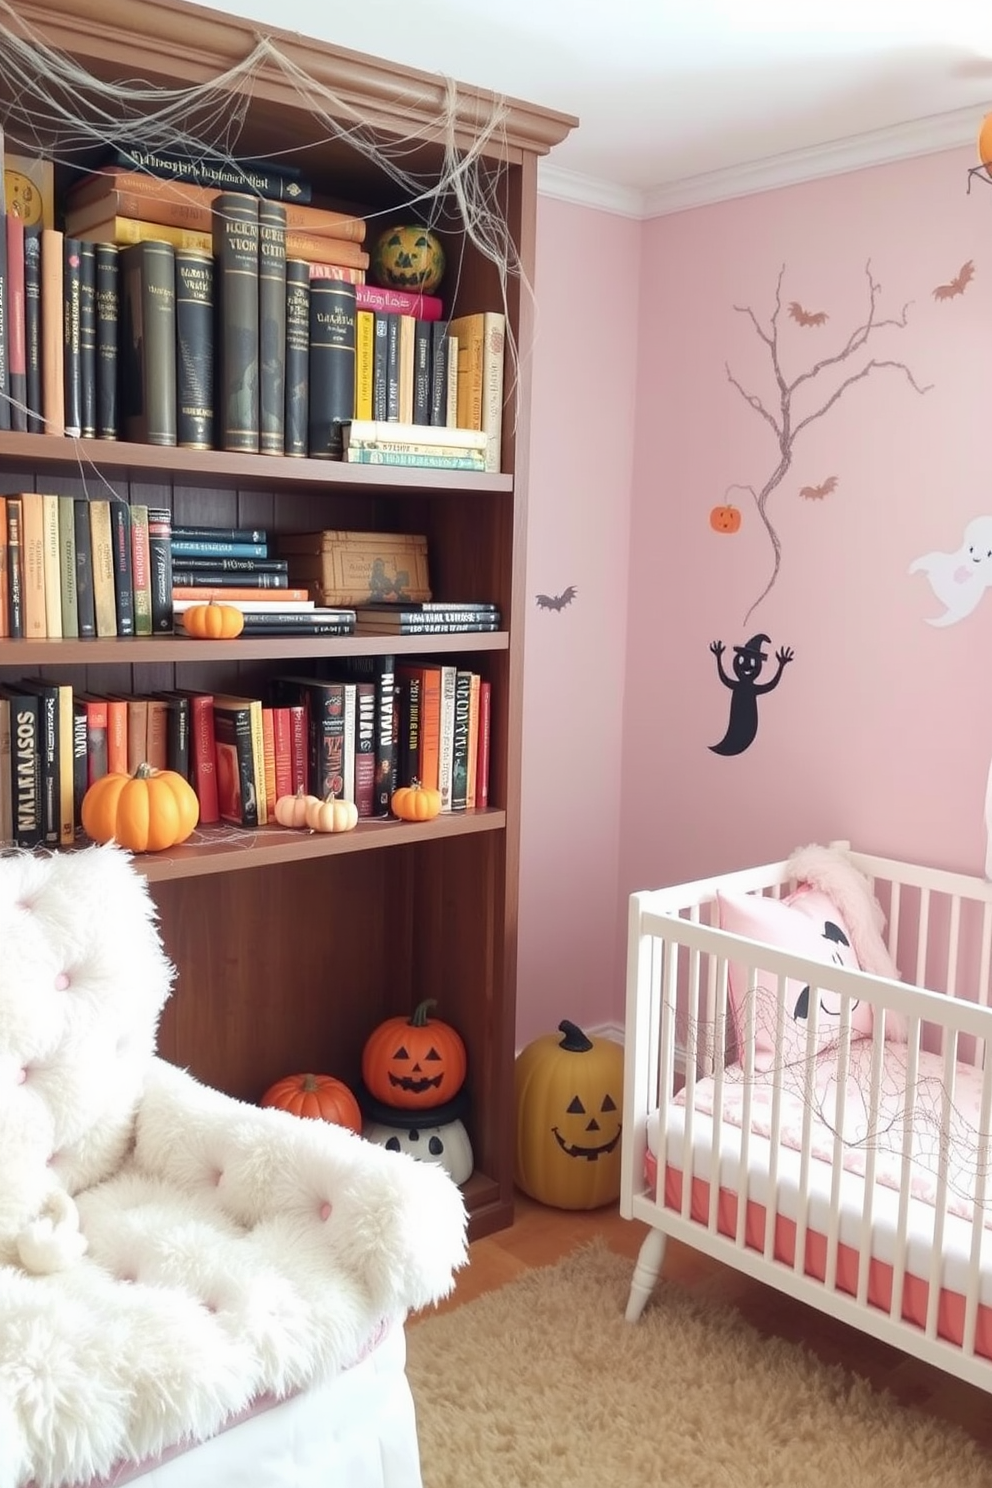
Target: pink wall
x=881 y=729
x=578 y=534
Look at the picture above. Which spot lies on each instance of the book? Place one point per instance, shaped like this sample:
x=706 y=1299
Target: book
x=325 y=703
x=203 y=753
x=406 y=343
x=116 y=191
x=120 y=524
x=469 y=331
x=402 y=301
x=17 y=366
x=177 y=733
x=446 y=734
x=157 y=735
x=392 y=322
x=236 y=351
x=413 y=624
x=263 y=177
x=387 y=434
x=4 y=572
x=408 y=734
x=380 y=671
x=484 y=731
x=15 y=567
x=33 y=550
x=32 y=329
x=108 y=300
x=365 y=756
x=194 y=349
x=80 y=761
x=222 y=579
x=380 y=361
x=311 y=623
x=67 y=566
x=237 y=777
x=103 y=562
x=364 y=362
x=52 y=332
x=147 y=347
x=428 y=678
x=72 y=371
x=282 y=736
x=5 y=421
x=437 y=459
x=341 y=272
x=494 y=341
x=317 y=248
x=182 y=532
x=473 y=740
x=118 y=736
x=332 y=366
x=141 y=578
x=85 y=593
x=421 y=371
x=48 y=755
x=272 y=246
x=52 y=562
x=241 y=594
x=6 y=795
x=87 y=339
x=269 y=758
x=25 y=765
x=439 y=373
x=95 y=710
x=126 y=231
x=297 y=381
x=160 y=567
x=460 y=740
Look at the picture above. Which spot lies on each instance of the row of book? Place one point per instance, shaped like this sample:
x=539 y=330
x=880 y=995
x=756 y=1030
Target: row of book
x=357 y=736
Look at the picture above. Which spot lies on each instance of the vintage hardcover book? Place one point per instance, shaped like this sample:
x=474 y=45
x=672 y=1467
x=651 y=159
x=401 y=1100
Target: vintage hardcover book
x=353 y=568
x=95 y=709
x=15 y=567
x=332 y=366
x=52 y=332
x=234 y=593
x=85 y=593
x=66 y=528
x=282 y=182
x=17 y=367
x=439 y=373
x=317 y=248
x=33 y=565
x=32 y=328
x=240 y=766
x=80 y=761
x=428 y=755
x=364 y=362
x=282 y=735
x=126 y=231
x=380 y=363
x=473 y=740
x=271 y=326
x=87 y=339
x=223 y=579
x=52 y=565
x=299 y=748
x=107 y=335
x=313 y=623
x=160 y=567
x=408 y=733
x=194 y=349
x=393 y=367
x=141 y=576
x=117 y=192
x=6 y=798
x=233 y=565
x=446 y=734
x=410 y=623
x=4 y=301
x=470 y=332
x=120 y=522
x=297 y=416
x=269 y=758
x=206 y=547
x=406 y=348
x=48 y=754
x=365 y=721
x=421 y=371
x=148 y=343
x=72 y=367
x=236 y=352
x=451 y=361
x=117 y=734
x=25 y=765
x=389 y=435
x=136 y=710
x=102 y=557
x=402 y=301
x=341 y=272
x=177 y=732
x=4 y=572
x=460 y=740
x=157 y=743
x=485 y=725
x=494 y=340
x=183 y=532
x=203 y=762
x=438 y=459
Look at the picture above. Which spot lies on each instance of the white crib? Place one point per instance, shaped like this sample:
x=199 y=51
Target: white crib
x=855 y=1177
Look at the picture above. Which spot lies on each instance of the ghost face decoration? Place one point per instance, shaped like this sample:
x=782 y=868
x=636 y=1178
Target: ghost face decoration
x=447 y=1145
x=959 y=579
x=569 y=1098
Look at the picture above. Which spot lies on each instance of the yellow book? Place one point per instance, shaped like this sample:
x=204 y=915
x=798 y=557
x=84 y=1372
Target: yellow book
x=470 y=333
x=102 y=545
x=33 y=548
x=53 y=566
x=124 y=230
x=364 y=352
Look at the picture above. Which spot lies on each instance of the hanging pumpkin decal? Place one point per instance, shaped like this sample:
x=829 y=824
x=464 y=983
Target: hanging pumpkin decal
x=144 y=812
x=725 y=519
x=320 y=1097
x=416 y=1062
x=569 y=1098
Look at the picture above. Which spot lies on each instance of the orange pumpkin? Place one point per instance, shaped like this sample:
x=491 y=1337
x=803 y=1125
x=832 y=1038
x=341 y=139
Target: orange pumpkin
x=144 y=812
x=415 y=1062
x=320 y=1097
x=291 y=811
x=415 y=802
x=725 y=519
x=985 y=142
x=213 y=622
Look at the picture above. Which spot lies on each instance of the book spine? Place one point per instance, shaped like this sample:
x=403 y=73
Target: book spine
x=201 y=547
x=451 y=363
x=117 y=735
x=402 y=301
x=317 y=248
x=32 y=330
x=494 y=339
x=4 y=574
x=182 y=204
x=298 y=743
x=425 y=625
x=439 y=373
x=67 y=566
x=52 y=566
x=222 y=175
x=107 y=328
x=96 y=738
x=332 y=366
x=203 y=762
x=269 y=758
x=148 y=343
x=258 y=761
x=80 y=762
x=282 y=735
x=421 y=372
x=470 y=333
x=341 y=272
x=430 y=727
x=182 y=532
x=364 y=362
x=194 y=349
x=5 y=419
x=125 y=232
x=160 y=568
x=446 y=735
x=87 y=339
x=236 y=791
x=102 y=550
x=6 y=795
x=25 y=763
x=272 y=238
x=52 y=332
x=485 y=726
x=33 y=559
x=422 y=459
x=327 y=739
x=72 y=376
x=380 y=358
x=17 y=366
x=385 y=733
x=135 y=732
x=66 y=767
x=141 y=579
x=392 y=367
x=473 y=741
x=222 y=579
x=365 y=722
x=157 y=747
x=235 y=249
x=459 y=748
x=48 y=755
x=409 y=735
x=120 y=521
x=297 y=417
x=177 y=741
x=85 y=595
x=407 y=342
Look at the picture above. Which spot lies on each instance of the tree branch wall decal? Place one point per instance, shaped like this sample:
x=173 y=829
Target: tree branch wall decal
x=781 y=419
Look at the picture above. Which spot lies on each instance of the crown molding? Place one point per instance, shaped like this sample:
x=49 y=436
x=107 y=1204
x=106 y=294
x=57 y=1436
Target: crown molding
x=927 y=136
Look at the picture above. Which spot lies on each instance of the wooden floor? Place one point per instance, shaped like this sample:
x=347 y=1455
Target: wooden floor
x=541 y=1236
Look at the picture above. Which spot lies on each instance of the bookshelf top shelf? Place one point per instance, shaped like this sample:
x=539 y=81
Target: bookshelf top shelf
x=135 y=650
x=52 y=454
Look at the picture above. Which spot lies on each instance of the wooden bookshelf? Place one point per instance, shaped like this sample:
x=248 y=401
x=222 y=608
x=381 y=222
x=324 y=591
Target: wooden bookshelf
x=291 y=947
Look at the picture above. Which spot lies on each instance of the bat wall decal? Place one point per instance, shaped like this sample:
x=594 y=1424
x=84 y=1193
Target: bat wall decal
x=817 y=493
x=807 y=317
x=557 y=601
x=958 y=284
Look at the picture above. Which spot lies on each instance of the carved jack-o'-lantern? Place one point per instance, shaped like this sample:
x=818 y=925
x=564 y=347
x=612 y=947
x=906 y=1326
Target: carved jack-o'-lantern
x=414 y=1062
x=569 y=1096
x=725 y=519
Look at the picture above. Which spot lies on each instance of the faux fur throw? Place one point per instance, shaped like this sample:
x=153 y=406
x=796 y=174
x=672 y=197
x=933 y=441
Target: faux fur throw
x=167 y=1253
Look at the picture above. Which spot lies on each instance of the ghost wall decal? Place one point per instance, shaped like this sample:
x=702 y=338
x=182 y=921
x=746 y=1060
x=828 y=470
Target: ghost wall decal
x=960 y=579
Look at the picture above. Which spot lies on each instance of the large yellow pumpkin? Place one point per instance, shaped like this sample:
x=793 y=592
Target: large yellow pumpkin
x=569 y=1099
x=144 y=812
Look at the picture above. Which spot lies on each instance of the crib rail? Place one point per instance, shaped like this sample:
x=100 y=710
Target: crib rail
x=849 y=1169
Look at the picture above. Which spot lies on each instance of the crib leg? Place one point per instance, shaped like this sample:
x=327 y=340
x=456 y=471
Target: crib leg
x=646 y=1270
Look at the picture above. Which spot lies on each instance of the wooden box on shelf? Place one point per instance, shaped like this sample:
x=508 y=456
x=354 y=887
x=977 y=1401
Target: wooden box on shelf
x=290 y=947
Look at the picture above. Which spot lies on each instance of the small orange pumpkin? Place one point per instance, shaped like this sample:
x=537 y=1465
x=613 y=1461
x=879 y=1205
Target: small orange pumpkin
x=415 y=802
x=320 y=1097
x=725 y=519
x=144 y=812
x=213 y=622
x=415 y=1062
x=291 y=811
x=331 y=815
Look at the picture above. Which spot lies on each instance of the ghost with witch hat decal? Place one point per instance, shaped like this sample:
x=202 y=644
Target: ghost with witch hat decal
x=748 y=663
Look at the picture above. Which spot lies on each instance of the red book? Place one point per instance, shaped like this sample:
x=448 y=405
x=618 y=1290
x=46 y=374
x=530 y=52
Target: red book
x=203 y=755
x=269 y=758
x=282 y=730
x=482 y=764
x=429 y=738
x=298 y=739
x=17 y=359
x=117 y=736
x=96 y=735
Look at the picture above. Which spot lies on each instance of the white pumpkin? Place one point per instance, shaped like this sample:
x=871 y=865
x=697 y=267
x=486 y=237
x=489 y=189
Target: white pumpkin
x=447 y=1145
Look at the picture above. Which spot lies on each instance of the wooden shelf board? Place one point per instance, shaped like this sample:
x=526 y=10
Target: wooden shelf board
x=224 y=848
x=127 y=650
x=223 y=469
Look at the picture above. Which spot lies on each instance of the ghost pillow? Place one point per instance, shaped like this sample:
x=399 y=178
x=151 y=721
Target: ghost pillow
x=806 y=924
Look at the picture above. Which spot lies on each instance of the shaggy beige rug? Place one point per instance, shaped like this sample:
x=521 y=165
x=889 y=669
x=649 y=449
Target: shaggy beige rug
x=542 y=1384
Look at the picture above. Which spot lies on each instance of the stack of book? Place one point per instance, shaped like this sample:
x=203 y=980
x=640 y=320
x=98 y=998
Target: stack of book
x=381 y=442
x=235 y=565
x=436 y=617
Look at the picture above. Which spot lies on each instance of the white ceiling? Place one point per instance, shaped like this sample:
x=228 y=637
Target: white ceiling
x=680 y=99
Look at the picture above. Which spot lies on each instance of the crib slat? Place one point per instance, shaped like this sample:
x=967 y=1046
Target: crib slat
x=688 y=1145
x=743 y=1185
x=720 y=1044
x=973 y=1289
x=802 y=1198
x=923 y=938
x=840 y=1115
x=906 y=1166
x=871 y=1140
x=771 y=1205
x=940 y=1198
x=892 y=934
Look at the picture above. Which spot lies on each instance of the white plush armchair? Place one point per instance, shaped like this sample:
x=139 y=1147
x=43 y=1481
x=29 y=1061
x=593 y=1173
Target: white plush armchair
x=173 y=1260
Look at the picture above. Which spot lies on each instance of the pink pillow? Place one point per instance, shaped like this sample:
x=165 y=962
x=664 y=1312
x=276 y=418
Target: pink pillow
x=807 y=924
